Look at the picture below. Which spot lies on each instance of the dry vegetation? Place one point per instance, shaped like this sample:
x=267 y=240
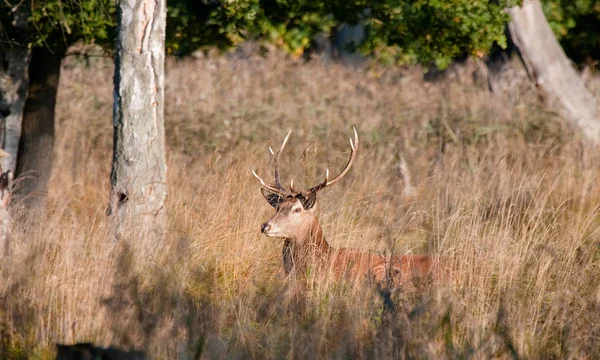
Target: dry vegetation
x=506 y=196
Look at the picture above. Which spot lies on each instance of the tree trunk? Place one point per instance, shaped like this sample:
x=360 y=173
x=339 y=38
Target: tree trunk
x=548 y=65
x=14 y=85
x=6 y=185
x=35 y=156
x=138 y=177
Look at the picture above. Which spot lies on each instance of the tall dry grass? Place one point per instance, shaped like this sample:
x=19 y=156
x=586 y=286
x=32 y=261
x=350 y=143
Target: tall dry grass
x=506 y=196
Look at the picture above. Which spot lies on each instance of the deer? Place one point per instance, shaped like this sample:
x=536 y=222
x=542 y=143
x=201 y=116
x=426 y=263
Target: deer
x=296 y=222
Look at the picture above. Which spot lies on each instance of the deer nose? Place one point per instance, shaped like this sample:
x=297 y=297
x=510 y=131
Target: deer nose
x=265 y=227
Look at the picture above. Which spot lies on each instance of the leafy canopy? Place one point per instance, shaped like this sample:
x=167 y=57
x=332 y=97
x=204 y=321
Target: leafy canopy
x=290 y=24
x=399 y=31
x=58 y=23
x=427 y=31
x=576 y=24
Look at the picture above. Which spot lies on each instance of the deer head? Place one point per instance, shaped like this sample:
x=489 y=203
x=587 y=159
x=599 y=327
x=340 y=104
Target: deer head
x=295 y=217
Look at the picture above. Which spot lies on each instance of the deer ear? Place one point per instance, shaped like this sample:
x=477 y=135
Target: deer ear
x=272 y=198
x=310 y=201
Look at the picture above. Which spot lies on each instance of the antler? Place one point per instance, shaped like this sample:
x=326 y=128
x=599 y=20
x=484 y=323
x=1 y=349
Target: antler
x=327 y=182
x=277 y=187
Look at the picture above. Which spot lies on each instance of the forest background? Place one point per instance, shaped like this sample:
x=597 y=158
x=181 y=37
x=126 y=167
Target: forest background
x=505 y=190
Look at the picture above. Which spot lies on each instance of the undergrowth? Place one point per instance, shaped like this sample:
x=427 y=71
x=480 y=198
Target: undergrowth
x=506 y=197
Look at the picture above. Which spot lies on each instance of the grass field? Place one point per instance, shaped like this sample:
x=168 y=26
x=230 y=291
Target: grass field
x=506 y=195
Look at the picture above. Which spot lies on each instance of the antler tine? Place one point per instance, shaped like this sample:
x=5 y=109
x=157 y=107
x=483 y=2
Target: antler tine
x=276 y=161
x=265 y=184
x=277 y=187
x=327 y=182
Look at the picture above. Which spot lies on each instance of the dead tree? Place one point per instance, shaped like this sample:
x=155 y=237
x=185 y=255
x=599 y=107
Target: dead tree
x=550 y=68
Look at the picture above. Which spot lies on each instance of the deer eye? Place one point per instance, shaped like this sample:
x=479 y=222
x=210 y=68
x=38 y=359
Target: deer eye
x=297 y=210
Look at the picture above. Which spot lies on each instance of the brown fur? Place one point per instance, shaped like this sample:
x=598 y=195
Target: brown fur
x=305 y=245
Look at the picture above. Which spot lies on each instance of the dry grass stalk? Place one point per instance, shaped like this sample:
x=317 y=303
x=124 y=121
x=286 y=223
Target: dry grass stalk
x=511 y=205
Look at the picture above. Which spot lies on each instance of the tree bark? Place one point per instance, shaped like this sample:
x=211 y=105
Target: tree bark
x=36 y=148
x=14 y=86
x=138 y=177
x=14 y=83
x=550 y=68
x=6 y=186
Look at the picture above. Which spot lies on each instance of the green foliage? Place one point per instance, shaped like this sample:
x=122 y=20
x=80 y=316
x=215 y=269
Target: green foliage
x=191 y=24
x=58 y=23
x=398 y=31
x=428 y=31
x=289 y=24
x=194 y=24
x=61 y=22
x=575 y=23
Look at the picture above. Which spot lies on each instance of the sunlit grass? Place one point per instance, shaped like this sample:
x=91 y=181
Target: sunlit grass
x=506 y=197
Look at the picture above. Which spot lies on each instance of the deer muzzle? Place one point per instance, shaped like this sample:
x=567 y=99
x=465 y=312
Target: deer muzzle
x=264 y=228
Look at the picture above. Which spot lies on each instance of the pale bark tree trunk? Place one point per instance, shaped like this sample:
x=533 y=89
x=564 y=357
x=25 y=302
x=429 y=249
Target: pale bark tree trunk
x=6 y=185
x=550 y=68
x=138 y=177
x=14 y=85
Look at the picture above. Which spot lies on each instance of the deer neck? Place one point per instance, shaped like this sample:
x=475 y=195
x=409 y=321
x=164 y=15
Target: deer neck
x=310 y=247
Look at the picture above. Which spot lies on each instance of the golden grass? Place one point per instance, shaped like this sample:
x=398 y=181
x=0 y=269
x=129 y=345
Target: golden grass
x=507 y=197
